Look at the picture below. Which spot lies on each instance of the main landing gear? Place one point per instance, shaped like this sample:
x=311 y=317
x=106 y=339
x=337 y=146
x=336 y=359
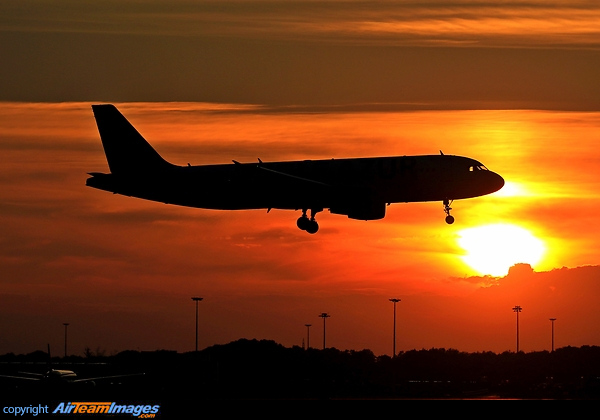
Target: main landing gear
x=309 y=225
x=447 y=208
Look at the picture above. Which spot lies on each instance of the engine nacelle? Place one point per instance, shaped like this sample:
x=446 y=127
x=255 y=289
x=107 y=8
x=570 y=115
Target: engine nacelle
x=367 y=210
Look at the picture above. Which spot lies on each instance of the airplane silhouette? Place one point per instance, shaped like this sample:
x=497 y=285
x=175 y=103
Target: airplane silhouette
x=359 y=188
x=60 y=376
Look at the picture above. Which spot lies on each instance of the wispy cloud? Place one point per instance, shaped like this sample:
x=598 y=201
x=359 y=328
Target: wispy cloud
x=456 y=22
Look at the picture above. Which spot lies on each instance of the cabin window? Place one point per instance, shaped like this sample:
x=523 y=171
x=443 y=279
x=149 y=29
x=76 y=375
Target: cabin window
x=477 y=168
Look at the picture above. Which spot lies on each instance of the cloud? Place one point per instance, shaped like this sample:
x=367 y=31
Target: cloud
x=530 y=23
x=304 y=54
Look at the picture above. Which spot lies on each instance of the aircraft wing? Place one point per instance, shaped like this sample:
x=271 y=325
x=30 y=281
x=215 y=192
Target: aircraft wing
x=32 y=374
x=294 y=177
x=24 y=378
x=99 y=378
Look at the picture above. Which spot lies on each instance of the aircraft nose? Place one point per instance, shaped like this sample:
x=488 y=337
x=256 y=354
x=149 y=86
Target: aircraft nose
x=497 y=182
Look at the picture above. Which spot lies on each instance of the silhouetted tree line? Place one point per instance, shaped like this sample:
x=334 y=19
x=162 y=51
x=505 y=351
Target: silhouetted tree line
x=253 y=369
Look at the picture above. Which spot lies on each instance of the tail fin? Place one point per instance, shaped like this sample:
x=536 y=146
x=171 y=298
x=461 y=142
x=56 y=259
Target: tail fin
x=126 y=150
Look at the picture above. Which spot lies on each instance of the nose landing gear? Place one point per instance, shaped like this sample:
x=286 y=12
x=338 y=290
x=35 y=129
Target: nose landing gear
x=309 y=225
x=447 y=208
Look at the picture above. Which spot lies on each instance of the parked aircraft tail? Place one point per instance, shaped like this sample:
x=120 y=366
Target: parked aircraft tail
x=126 y=150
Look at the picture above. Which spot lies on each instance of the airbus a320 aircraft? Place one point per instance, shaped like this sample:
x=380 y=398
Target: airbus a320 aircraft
x=54 y=377
x=60 y=376
x=358 y=188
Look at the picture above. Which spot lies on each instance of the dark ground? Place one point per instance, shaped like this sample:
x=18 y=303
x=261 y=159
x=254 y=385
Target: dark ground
x=251 y=370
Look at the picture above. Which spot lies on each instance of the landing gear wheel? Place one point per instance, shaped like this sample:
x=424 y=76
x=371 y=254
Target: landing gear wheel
x=447 y=208
x=309 y=225
x=313 y=227
x=303 y=222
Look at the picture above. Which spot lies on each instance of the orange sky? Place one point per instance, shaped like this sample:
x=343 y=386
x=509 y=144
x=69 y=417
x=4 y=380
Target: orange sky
x=513 y=84
x=122 y=270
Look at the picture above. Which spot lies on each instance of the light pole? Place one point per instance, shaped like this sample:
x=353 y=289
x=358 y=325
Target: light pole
x=324 y=315
x=307 y=335
x=66 y=324
x=552 y=320
x=197 y=299
x=395 y=301
x=517 y=309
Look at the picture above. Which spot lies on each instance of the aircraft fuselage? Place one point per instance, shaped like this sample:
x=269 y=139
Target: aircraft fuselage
x=360 y=188
x=336 y=184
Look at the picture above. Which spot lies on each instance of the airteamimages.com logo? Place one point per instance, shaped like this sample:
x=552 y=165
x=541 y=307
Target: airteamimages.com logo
x=142 y=411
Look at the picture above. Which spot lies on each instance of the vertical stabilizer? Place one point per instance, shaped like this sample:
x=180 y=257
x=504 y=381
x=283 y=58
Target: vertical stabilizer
x=126 y=150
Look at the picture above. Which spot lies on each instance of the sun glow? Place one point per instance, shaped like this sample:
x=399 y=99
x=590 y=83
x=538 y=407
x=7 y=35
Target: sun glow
x=512 y=189
x=493 y=249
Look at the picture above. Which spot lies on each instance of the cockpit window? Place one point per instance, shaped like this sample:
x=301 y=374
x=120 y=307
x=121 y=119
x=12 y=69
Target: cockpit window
x=477 y=168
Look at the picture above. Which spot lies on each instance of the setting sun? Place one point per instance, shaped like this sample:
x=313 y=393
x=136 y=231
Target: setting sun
x=493 y=249
x=512 y=189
